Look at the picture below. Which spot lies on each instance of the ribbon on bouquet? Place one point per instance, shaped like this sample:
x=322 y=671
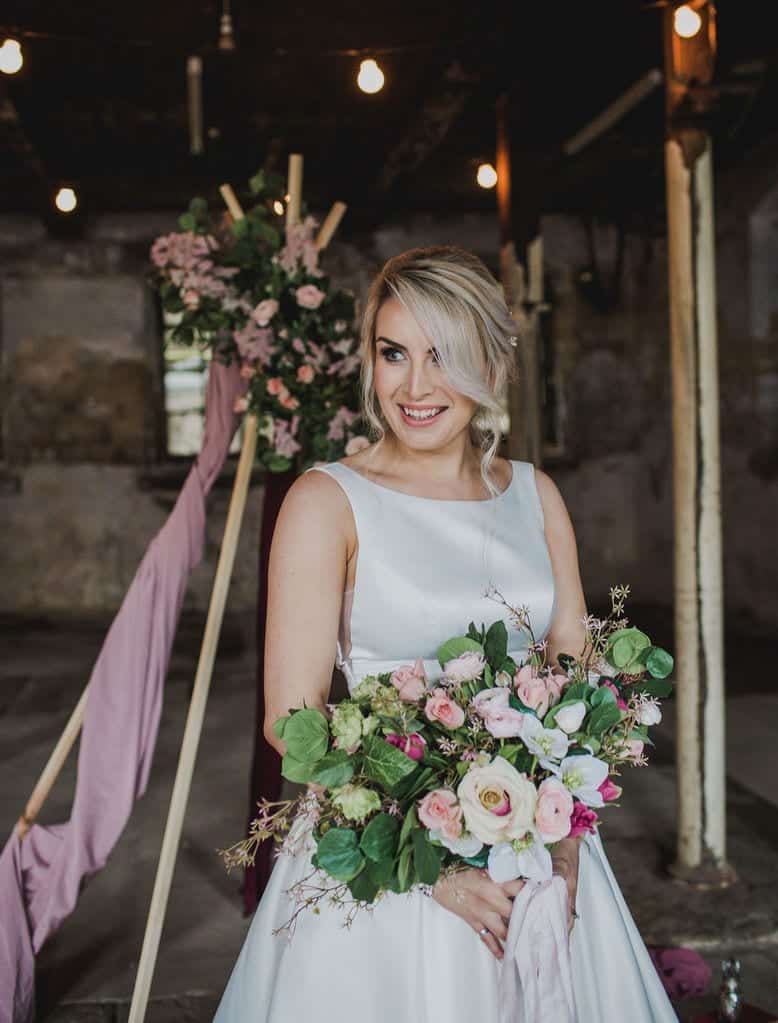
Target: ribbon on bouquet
x=536 y=982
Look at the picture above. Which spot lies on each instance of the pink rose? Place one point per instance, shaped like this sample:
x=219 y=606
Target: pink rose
x=553 y=810
x=247 y=372
x=582 y=819
x=309 y=296
x=265 y=311
x=540 y=692
x=411 y=745
x=619 y=702
x=464 y=668
x=275 y=385
x=609 y=791
x=240 y=405
x=504 y=722
x=305 y=374
x=358 y=443
x=289 y=401
x=440 y=809
x=410 y=680
x=440 y=707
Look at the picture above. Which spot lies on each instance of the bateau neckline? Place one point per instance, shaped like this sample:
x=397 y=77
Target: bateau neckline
x=438 y=500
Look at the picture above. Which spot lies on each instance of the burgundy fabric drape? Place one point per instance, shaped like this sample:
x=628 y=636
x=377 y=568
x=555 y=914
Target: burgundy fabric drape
x=40 y=877
x=265 y=779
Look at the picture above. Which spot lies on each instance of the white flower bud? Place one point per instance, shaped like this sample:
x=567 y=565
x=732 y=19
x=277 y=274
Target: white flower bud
x=570 y=716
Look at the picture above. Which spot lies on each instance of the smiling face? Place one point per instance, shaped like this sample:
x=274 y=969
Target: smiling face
x=420 y=406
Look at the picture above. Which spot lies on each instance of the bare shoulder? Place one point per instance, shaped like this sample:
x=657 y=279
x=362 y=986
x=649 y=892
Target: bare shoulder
x=315 y=506
x=555 y=513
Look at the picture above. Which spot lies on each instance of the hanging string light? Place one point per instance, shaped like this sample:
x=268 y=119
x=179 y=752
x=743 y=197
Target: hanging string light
x=278 y=207
x=686 y=22
x=11 y=57
x=370 y=78
x=226 y=38
x=486 y=176
x=66 y=200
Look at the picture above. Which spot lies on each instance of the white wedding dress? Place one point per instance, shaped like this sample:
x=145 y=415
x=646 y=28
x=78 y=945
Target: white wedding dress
x=423 y=568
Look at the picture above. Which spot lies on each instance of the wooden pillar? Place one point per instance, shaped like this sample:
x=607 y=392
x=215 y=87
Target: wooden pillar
x=701 y=846
x=521 y=271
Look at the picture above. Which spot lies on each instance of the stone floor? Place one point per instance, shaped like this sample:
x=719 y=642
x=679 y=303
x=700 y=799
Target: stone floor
x=86 y=970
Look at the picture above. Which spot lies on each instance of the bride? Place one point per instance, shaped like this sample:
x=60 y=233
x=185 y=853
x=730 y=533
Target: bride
x=375 y=560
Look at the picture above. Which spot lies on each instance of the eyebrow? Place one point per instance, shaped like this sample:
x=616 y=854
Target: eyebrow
x=396 y=344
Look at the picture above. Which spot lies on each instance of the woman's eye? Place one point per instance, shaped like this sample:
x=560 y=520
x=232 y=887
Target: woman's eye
x=387 y=353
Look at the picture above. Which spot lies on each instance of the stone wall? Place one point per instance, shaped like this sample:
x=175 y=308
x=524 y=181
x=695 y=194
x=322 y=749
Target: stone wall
x=85 y=483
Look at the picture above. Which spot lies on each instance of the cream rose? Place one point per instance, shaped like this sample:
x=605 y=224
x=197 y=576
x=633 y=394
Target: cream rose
x=497 y=801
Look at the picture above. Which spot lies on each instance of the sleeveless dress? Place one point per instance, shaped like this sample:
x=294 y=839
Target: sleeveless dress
x=423 y=566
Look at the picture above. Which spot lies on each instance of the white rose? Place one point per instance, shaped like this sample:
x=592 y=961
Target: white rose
x=498 y=803
x=569 y=717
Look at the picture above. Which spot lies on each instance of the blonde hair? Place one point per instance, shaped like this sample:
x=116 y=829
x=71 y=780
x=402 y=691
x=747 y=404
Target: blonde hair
x=461 y=308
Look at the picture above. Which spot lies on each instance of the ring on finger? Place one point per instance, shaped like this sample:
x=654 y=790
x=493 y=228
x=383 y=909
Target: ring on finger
x=483 y=931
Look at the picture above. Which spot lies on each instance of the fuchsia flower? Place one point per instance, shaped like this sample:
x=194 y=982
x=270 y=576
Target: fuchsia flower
x=619 y=702
x=411 y=745
x=609 y=791
x=582 y=820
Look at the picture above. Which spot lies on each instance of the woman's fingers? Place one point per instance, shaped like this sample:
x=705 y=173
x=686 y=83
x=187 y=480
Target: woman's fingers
x=512 y=888
x=496 y=925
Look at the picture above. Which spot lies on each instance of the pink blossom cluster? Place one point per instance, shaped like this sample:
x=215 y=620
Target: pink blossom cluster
x=300 y=248
x=185 y=259
x=339 y=423
x=284 y=436
x=255 y=344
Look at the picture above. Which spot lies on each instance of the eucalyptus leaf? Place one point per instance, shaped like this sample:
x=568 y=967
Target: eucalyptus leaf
x=659 y=662
x=337 y=853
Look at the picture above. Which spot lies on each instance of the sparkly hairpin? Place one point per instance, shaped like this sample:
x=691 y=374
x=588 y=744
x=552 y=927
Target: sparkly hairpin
x=513 y=340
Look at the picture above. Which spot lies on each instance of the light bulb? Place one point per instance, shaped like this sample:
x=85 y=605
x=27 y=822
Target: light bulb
x=686 y=22
x=370 y=78
x=486 y=176
x=11 y=58
x=278 y=207
x=66 y=200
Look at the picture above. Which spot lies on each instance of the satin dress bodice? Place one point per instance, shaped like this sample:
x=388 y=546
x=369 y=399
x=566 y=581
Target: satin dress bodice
x=425 y=565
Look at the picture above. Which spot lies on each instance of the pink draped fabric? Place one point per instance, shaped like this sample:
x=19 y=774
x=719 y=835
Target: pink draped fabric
x=536 y=979
x=40 y=877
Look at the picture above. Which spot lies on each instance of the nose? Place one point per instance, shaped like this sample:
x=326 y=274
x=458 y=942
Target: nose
x=419 y=384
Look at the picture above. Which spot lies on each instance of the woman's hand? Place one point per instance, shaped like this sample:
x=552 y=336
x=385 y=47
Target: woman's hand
x=564 y=861
x=481 y=902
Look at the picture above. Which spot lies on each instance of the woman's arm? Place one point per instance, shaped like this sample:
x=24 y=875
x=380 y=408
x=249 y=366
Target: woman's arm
x=312 y=542
x=567 y=634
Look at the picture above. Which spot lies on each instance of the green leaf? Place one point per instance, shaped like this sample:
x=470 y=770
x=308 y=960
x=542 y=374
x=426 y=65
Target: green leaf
x=293 y=769
x=385 y=764
x=410 y=822
x=334 y=768
x=659 y=662
x=658 y=687
x=198 y=206
x=363 y=887
x=496 y=643
x=379 y=839
x=602 y=718
x=279 y=726
x=479 y=860
x=426 y=858
x=456 y=647
x=510 y=666
x=277 y=463
x=404 y=868
x=257 y=183
x=601 y=696
x=380 y=873
x=337 y=853
x=488 y=676
x=307 y=735
x=187 y=222
x=515 y=702
x=624 y=647
x=578 y=691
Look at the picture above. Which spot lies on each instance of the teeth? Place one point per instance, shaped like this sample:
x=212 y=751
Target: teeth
x=427 y=414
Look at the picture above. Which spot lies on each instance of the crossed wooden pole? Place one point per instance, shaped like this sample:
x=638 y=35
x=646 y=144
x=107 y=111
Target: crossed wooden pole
x=204 y=673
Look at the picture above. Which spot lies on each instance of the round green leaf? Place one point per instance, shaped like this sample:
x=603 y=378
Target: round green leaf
x=307 y=735
x=379 y=839
x=426 y=858
x=296 y=770
x=338 y=855
x=659 y=662
x=456 y=647
x=334 y=768
x=363 y=888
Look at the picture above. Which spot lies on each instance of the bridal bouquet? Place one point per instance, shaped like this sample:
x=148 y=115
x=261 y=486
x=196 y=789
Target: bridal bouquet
x=488 y=766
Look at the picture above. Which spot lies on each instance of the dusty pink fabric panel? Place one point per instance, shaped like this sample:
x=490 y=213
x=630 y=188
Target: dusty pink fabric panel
x=40 y=877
